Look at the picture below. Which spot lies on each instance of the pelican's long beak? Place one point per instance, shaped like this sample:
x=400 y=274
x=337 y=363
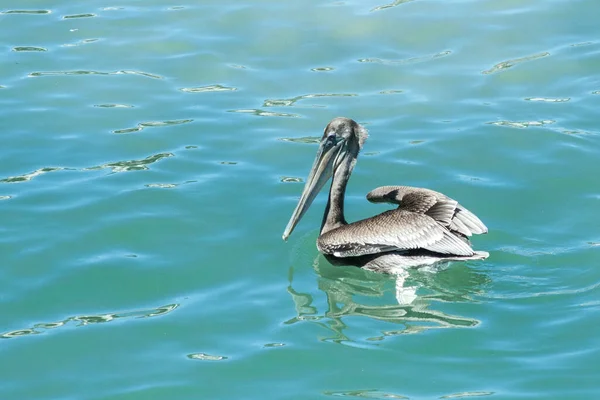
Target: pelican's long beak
x=320 y=173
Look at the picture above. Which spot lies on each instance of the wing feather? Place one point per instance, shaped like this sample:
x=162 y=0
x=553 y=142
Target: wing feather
x=461 y=220
x=470 y=220
x=457 y=225
x=392 y=230
x=443 y=211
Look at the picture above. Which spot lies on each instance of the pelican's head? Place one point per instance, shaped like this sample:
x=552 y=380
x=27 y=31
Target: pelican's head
x=341 y=141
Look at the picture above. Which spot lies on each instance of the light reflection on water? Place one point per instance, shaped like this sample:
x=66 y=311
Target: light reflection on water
x=406 y=299
x=83 y=320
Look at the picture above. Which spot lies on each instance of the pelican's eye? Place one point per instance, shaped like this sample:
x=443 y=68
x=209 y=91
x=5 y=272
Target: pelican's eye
x=331 y=140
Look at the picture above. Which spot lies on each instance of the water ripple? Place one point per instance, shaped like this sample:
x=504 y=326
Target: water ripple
x=206 y=357
x=29 y=48
x=542 y=293
x=162 y=185
x=548 y=99
x=91 y=72
x=523 y=124
x=81 y=42
x=511 y=63
x=153 y=124
x=290 y=102
x=263 y=113
x=290 y=179
x=462 y=395
x=83 y=320
x=33 y=12
x=211 y=88
x=113 y=105
x=390 y=91
x=89 y=15
x=132 y=165
x=31 y=175
x=393 y=4
x=364 y=394
x=322 y=69
x=168 y=185
x=404 y=61
x=578 y=132
x=305 y=139
x=582 y=44
x=271 y=345
x=119 y=166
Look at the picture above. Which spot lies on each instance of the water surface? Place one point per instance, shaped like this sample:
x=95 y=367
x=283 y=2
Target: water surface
x=152 y=154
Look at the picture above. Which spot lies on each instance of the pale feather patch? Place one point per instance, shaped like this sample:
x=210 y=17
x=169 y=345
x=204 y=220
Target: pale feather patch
x=471 y=221
x=458 y=226
x=363 y=135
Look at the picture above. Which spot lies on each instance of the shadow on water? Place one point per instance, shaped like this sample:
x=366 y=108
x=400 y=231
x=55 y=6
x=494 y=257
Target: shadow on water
x=404 y=299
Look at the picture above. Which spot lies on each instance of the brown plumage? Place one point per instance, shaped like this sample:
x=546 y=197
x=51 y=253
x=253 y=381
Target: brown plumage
x=440 y=207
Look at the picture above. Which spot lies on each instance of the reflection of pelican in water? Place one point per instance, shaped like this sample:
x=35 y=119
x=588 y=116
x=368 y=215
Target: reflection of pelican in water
x=427 y=227
x=355 y=293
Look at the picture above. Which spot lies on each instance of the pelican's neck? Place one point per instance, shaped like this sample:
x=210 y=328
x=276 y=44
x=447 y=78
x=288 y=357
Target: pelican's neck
x=334 y=212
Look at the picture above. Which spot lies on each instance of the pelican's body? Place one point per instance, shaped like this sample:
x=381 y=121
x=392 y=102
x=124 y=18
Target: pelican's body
x=427 y=226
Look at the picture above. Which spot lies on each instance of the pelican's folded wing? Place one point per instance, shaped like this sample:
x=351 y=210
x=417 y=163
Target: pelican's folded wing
x=395 y=194
x=392 y=230
x=461 y=220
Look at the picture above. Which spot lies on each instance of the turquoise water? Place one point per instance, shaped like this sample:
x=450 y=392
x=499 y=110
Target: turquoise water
x=152 y=154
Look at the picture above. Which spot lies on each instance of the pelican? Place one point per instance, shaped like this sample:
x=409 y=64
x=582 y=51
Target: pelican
x=426 y=228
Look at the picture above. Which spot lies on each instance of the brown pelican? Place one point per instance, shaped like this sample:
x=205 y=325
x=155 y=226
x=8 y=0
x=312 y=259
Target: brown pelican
x=427 y=226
